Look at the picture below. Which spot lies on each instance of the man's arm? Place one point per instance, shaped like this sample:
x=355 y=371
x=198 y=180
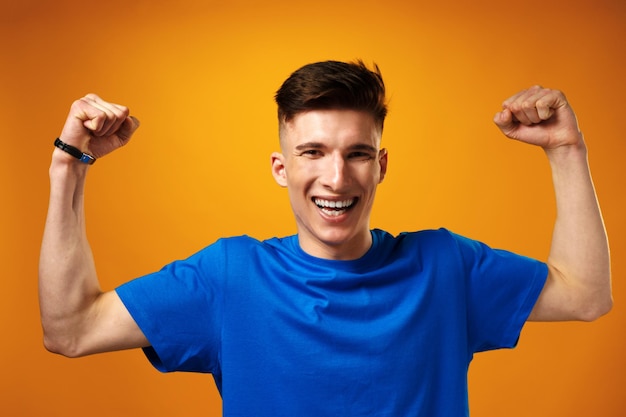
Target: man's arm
x=578 y=286
x=77 y=317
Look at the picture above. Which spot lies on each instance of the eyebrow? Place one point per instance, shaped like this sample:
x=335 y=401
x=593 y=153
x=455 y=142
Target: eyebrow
x=309 y=145
x=318 y=145
x=363 y=147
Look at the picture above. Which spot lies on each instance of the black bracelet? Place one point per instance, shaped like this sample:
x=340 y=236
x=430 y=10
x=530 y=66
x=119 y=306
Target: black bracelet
x=83 y=157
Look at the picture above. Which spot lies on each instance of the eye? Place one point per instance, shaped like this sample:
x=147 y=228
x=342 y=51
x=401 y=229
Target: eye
x=360 y=156
x=311 y=153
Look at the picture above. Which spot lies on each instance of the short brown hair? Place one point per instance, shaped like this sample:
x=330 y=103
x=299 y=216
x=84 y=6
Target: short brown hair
x=333 y=85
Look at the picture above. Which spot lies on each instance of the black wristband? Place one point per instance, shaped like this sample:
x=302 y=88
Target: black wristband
x=83 y=157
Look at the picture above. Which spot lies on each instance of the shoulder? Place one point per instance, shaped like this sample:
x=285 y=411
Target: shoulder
x=423 y=248
x=248 y=249
x=234 y=244
x=429 y=238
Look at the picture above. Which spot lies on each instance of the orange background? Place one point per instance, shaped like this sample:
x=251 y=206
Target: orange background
x=201 y=77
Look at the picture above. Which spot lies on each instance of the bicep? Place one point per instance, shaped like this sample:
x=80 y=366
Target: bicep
x=112 y=327
x=557 y=301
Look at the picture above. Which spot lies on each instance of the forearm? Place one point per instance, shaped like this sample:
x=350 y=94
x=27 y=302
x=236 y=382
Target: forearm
x=68 y=284
x=579 y=253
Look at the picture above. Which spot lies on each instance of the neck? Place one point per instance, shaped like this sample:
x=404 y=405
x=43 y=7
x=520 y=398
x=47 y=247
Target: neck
x=349 y=250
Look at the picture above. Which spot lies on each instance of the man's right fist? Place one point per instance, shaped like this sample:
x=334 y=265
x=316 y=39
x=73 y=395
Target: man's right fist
x=98 y=127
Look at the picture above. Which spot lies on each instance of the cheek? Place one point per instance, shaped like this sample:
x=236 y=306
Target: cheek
x=296 y=186
x=301 y=174
x=371 y=177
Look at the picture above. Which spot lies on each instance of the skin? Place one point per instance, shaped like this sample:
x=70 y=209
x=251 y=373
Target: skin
x=77 y=317
x=331 y=156
x=578 y=286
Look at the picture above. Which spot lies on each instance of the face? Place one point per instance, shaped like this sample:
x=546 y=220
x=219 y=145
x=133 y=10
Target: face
x=331 y=165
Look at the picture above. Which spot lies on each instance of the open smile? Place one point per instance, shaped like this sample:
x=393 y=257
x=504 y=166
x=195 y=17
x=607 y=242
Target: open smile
x=334 y=208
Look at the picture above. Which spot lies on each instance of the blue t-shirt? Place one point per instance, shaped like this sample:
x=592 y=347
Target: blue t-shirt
x=288 y=334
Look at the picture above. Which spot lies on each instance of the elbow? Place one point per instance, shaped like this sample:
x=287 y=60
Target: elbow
x=58 y=346
x=52 y=345
x=601 y=303
x=596 y=309
x=602 y=309
x=61 y=347
x=61 y=343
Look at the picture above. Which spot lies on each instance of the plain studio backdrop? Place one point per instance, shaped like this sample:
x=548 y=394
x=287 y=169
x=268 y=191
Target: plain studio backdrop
x=200 y=75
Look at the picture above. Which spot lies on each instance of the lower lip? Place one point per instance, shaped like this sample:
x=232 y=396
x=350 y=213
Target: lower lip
x=333 y=216
x=333 y=213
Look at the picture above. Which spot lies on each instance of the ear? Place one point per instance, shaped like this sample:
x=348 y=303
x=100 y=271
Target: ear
x=382 y=161
x=279 y=169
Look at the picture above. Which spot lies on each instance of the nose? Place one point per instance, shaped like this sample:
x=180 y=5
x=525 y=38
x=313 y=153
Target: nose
x=336 y=175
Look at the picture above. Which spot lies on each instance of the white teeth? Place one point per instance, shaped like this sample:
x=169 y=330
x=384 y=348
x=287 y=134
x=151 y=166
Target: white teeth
x=334 y=204
x=333 y=213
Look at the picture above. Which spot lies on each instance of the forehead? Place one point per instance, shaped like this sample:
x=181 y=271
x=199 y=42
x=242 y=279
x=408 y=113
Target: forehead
x=331 y=127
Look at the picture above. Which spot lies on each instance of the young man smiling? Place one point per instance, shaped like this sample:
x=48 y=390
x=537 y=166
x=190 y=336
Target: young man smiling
x=339 y=319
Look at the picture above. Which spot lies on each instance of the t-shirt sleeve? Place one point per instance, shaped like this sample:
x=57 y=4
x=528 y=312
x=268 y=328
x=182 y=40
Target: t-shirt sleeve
x=179 y=310
x=501 y=289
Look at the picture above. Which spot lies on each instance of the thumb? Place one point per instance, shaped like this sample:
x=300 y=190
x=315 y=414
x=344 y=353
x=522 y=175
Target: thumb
x=505 y=121
x=128 y=128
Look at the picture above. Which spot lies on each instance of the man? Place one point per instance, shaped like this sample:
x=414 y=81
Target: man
x=338 y=319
